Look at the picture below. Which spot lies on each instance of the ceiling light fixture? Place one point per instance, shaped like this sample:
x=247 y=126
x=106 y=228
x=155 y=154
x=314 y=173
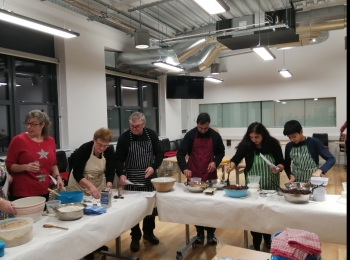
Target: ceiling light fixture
x=215 y=68
x=212 y=79
x=168 y=66
x=213 y=6
x=11 y=17
x=285 y=72
x=263 y=51
x=141 y=36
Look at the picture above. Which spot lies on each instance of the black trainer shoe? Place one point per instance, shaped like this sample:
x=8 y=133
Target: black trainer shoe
x=151 y=238
x=212 y=240
x=135 y=245
x=200 y=239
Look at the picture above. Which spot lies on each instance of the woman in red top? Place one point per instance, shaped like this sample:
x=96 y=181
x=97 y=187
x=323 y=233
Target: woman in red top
x=31 y=158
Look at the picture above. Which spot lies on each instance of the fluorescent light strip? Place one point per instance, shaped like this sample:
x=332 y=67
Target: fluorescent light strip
x=285 y=73
x=213 y=6
x=133 y=88
x=11 y=17
x=215 y=80
x=264 y=53
x=168 y=66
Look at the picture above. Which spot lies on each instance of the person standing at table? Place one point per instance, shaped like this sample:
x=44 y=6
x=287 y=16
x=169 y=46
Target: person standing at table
x=344 y=135
x=206 y=150
x=138 y=156
x=302 y=154
x=93 y=161
x=257 y=140
x=31 y=158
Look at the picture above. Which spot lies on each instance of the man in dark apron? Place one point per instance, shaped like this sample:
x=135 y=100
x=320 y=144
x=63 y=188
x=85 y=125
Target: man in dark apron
x=206 y=150
x=138 y=156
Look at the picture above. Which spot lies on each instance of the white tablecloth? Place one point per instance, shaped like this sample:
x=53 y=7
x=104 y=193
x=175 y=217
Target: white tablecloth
x=267 y=215
x=83 y=235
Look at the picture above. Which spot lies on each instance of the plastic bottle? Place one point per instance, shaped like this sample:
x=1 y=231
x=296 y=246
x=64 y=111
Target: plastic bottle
x=104 y=183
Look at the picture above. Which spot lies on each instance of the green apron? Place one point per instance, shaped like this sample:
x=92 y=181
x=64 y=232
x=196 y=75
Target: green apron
x=262 y=169
x=303 y=165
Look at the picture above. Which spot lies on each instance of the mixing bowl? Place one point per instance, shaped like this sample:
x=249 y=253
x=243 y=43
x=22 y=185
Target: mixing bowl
x=298 y=185
x=163 y=184
x=297 y=196
x=70 y=196
x=236 y=191
x=31 y=207
x=195 y=186
x=70 y=211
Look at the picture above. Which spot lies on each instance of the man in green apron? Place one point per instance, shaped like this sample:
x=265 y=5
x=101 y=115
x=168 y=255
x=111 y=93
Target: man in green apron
x=302 y=154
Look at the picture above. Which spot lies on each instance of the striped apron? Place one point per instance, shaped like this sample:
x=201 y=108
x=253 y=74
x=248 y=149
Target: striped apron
x=303 y=165
x=262 y=169
x=140 y=157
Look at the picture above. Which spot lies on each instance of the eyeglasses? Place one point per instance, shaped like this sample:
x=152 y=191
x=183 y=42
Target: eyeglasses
x=136 y=126
x=30 y=124
x=102 y=145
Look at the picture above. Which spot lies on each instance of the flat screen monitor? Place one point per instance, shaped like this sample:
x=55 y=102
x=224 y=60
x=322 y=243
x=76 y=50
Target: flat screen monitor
x=185 y=87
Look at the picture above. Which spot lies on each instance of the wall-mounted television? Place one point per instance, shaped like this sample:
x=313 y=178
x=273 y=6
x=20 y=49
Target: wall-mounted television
x=184 y=87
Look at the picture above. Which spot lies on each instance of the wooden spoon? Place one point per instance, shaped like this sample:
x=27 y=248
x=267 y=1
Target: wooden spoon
x=52 y=226
x=54 y=192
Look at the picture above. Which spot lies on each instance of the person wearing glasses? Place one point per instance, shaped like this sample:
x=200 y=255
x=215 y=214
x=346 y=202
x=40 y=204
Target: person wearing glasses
x=93 y=161
x=206 y=149
x=138 y=156
x=31 y=158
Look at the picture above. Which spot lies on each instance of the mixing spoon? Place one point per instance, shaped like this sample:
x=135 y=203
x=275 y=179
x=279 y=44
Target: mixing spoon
x=52 y=226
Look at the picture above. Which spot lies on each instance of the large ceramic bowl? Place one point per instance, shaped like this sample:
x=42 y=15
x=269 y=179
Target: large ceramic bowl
x=163 y=184
x=75 y=196
x=236 y=191
x=30 y=207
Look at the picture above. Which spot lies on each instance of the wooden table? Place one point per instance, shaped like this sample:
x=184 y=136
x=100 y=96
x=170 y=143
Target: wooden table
x=241 y=253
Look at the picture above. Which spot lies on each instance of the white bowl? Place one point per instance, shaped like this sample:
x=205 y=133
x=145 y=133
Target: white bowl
x=31 y=207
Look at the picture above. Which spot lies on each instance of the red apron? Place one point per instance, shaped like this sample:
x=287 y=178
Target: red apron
x=201 y=155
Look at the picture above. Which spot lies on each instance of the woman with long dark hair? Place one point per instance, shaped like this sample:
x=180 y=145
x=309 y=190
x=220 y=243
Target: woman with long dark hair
x=257 y=140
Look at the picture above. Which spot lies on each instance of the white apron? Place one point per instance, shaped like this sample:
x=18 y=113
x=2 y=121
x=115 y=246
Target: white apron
x=93 y=172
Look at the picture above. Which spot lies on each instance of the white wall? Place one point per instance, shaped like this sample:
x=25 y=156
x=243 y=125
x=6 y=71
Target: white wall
x=318 y=70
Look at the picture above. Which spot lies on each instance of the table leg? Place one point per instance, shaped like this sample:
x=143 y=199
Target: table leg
x=189 y=242
x=245 y=239
x=117 y=253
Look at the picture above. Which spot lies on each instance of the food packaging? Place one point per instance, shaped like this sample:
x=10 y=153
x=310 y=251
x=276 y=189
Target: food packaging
x=106 y=198
x=16 y=231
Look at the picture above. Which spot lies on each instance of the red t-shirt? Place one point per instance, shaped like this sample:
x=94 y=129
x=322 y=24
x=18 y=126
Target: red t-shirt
x=23 y=150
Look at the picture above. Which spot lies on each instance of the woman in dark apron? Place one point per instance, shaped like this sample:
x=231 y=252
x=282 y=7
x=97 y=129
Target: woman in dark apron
x=258 y=140
x=138 y=155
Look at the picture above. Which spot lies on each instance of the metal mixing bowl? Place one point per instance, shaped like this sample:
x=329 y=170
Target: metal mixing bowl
x=72 y=215
x=298 y=185
x=296 y=198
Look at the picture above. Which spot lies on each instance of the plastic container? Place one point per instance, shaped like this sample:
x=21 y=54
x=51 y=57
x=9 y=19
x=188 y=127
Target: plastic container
x=70 y=196
x=54 y=204
x=309 y=257
x=254 y=178
x=16 y=231
x=319 y=181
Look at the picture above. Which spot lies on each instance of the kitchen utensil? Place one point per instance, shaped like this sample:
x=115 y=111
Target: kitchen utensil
x=52 y=226
x=69 y=212
x=298 y=186
x=278 y=187
x=236 y=191
x=228 y=179
x=268 y=162
x=297 y=198
x=54 y=192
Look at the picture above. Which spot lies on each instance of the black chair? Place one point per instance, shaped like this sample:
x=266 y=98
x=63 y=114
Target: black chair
x=62 y=164
x=167 y=148
x=178 y=143
x=323 y=137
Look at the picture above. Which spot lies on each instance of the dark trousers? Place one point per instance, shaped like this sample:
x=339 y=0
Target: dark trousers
x=210 y=230
x=148 y=224
x=257 y=238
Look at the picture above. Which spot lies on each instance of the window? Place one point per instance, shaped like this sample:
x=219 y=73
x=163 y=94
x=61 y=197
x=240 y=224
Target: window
x=309 y=112
x=126 y=96
x=25 y=85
